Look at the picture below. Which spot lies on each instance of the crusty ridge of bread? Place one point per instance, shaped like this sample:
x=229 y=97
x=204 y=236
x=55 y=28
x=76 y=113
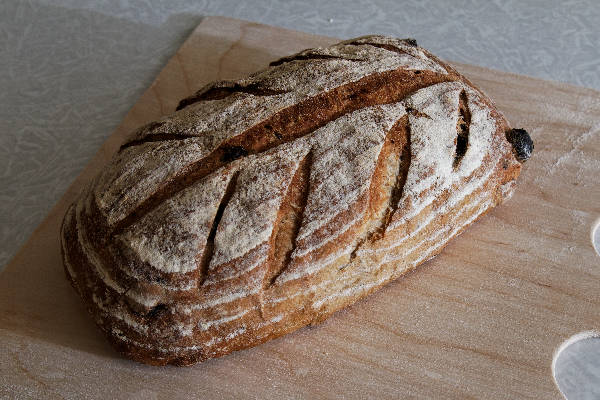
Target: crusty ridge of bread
x=267 y=204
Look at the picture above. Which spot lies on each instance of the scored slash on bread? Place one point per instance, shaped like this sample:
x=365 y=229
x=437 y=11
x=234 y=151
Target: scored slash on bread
x=266 y=204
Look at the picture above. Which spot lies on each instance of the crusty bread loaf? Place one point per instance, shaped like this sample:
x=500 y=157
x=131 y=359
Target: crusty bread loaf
x=266 y=204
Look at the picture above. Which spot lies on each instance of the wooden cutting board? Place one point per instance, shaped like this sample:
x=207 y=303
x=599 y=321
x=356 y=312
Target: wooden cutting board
x=481 y=320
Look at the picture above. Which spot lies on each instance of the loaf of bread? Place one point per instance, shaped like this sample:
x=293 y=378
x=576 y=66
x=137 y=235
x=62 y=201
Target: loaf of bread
x=266 y=204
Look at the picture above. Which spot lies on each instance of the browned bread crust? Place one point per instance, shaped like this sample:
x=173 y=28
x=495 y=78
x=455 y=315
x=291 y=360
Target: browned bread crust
x=267 y=204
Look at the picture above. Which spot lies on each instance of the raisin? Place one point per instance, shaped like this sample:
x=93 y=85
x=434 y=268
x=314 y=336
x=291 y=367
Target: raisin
x=231 y=153
x=156 y=310
x=521 y=143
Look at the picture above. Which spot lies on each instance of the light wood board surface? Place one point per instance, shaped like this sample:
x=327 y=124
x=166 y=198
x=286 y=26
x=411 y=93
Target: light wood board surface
x=481 y=320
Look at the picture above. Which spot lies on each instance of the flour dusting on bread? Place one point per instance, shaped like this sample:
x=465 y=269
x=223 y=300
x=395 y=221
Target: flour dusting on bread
x=266 y=204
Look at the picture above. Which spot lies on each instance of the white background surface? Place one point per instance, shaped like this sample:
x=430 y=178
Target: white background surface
x=70 y=70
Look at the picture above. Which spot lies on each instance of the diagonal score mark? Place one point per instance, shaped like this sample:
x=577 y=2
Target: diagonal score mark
x=396 y=152
x=225 y=89
x=292 y=123
x=209 y=248
x=387 y=47
x=463 y=126
x=311 y=56
x=289 y=221
x=157 y=137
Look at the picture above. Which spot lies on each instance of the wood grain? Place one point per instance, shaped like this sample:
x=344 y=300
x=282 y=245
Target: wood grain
x=479 y=321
